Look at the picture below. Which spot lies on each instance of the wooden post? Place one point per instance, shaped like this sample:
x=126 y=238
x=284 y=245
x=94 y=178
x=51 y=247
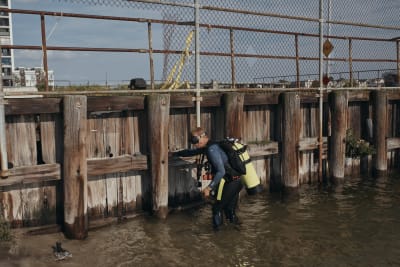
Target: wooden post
x=339 y=108
x=233 y=108
x=75 y=167
x=158 y=127
x=379 y=110
x=291 y=119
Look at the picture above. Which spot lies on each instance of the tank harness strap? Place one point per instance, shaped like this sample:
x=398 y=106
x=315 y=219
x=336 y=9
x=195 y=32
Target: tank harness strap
x=247 y=161
x=220 y=189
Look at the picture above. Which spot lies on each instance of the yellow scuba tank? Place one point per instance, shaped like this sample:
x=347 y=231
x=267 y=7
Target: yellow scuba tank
x=250 y=180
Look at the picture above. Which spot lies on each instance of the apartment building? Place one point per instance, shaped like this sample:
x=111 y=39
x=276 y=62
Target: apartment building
x=7 y=58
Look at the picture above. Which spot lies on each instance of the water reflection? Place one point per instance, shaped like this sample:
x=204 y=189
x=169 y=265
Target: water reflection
x=352 y=224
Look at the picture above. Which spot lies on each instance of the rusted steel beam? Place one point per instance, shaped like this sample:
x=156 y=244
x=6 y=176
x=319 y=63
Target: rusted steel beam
x=232 y=46
x=296 y=44
x=187 y=23
x=44 y=51
x=265 y=14
x=88 y=16
x=150 y=39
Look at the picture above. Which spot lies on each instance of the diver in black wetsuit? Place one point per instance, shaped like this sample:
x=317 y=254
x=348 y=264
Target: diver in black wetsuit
x=225 y=185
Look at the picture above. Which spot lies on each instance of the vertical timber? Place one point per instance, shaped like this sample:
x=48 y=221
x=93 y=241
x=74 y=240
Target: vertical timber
x=339 y=109
x=158 y=126
x=233 y=108
x=380 y=123
x=75 y=167
x=291 y=119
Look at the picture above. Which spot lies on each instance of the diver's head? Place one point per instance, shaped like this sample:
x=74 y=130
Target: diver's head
x=199 y=137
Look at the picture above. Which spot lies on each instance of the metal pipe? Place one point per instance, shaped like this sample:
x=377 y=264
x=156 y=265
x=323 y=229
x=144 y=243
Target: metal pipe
x=351 y=62
x=321 y=85
x=44 y=51
x=233 y=69
x=398 y=62
x=296 y=43
x=3 y=141
x=197 y=56
x=150 y=37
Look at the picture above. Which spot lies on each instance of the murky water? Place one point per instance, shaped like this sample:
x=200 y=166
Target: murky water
x=354 y=224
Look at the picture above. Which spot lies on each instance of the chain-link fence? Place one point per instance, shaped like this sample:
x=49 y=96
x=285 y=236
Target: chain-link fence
x=270 y=43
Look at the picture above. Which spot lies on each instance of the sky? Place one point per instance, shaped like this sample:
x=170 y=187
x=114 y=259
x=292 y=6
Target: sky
x=116 y=68
x=83 y=67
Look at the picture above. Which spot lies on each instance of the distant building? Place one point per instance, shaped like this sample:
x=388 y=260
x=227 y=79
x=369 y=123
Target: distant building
x=7 y=58
x=31 y=77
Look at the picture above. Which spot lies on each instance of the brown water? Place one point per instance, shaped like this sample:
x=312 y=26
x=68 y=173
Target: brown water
x=354 y=224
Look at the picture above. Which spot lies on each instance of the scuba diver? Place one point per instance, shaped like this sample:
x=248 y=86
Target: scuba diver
x=225 y=184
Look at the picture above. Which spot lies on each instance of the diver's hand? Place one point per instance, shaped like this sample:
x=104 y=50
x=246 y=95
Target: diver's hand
x=206 y=192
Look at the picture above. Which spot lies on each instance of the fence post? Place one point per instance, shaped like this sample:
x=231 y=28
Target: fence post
x=75 y=167
x=158 y=129
x=291 y=119
x=3 y=140
x=337 y=150
x=379 y=110
x=233 y=108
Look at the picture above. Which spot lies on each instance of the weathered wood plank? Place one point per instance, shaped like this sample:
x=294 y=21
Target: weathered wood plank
x=379 y=107
x=29 y=106
x=32 y=174
x=211 y=100
x=75 y=167
x=48 y=138
x=158 y=129
x=21 y=140
x=118 y=164
x=339 y=111
x=311 y=143
x=393 y=143
x=233 y=108
x=261 y=99
x=114 y=103
x=291 y=118
x=182 y=101
x=271 y=148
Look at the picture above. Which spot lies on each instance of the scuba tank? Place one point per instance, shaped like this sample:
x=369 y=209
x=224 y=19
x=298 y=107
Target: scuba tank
x=250 y=179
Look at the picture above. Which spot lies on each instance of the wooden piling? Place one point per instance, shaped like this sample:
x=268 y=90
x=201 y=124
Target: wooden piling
x=337 y=152
x=158 y=126
x=75 y=167
x=233 y=108
x=291 y=119
x=380 y=122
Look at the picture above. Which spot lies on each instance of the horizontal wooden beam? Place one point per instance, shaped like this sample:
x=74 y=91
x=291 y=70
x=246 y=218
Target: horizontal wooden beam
x=124 y=163
x=29 y=106
x=32 y=174
x=393 y=143
x=258 y=150
x=114 y=103
x=311 y=143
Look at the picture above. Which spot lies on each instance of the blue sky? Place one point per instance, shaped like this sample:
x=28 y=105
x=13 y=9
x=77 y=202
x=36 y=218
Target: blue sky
x=97 y=67
x=83 y=67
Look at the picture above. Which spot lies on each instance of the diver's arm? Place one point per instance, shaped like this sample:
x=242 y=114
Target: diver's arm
x=216 y=161
x=188 y=152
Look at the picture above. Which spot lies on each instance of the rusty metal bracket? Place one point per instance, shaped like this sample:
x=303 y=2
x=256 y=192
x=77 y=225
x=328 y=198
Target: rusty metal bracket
x=197 y=98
